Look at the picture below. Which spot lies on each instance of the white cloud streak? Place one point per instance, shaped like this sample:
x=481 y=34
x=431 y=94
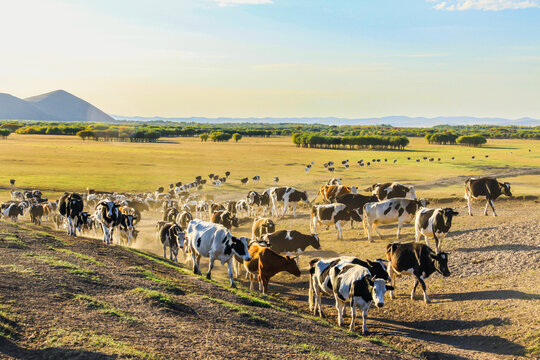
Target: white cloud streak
x=485 y=5
x=243 y=2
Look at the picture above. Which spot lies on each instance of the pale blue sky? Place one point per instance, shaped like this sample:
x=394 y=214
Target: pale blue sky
x=356 y=58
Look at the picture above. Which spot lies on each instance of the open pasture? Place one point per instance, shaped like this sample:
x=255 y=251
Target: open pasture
x=487 y=309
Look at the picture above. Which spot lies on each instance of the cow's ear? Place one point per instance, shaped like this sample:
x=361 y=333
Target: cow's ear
x=389 y=288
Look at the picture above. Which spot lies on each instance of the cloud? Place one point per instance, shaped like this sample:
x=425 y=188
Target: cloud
x=486 y=5
x=243 y=2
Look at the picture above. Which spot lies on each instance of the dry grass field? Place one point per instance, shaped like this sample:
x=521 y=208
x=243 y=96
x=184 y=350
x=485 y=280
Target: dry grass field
x=488 y=309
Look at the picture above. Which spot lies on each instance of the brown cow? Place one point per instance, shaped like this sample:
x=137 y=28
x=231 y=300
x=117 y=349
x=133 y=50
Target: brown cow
x=330 y=192
x=262 y=226
x=225 y=218
x=265 y=263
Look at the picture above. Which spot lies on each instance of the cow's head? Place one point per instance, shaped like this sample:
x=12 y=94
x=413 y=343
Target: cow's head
x=240 y=247
x=411 y=194
x=251 y=197
x=440 y=261
x=292 y=266
x=314 y=241
x=180 y=236
x=378 y=288
x=448 y=213
x=353 y=190
x=373 y=188
x=378 y=269
x=505 y=188
x=269 y=226
x=422 y=202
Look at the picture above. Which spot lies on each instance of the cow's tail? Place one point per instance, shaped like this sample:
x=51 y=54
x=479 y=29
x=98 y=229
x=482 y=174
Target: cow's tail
x=467 y=185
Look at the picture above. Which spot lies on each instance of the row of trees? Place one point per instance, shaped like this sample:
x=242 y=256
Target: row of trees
x=124 y=135
x=446 y=138
x=352 y=142
x=471 y=140
x=219 y=136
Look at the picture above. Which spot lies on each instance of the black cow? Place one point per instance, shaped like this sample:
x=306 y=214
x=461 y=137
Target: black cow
x=433 y=223
x=415 y=259
x=71 y=205
x=488 y=188
x=385 y=191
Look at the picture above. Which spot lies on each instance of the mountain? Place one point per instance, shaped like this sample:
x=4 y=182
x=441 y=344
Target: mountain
x=403 y=121
x=67 y=107
x=13 y=108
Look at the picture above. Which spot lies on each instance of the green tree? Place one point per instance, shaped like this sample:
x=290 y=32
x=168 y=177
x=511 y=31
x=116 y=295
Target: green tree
x=204 y=137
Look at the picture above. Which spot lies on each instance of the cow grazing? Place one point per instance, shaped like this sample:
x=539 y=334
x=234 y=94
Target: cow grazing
x=433 y=223
x=256 y=179
x=12 y=211
x=262 y=226
x=398 y=210
x=70 y=206
x=244 y=181
x=332 y=214
x=255 y=199
x=227 y=174
x=291 y=242
x=265 y=263
x=355 y=284
x=320 y=281
x=330 y=192
x=287 y=196
x=486 y=187
x=217 y=243
x=242 y=208
x=183 y=219
x=331 y=169
x=276 y=179
x=172 y=237
x=415 y=259
x=36 y=213
x=225 y=218
x=109 y=216
x=392 y=190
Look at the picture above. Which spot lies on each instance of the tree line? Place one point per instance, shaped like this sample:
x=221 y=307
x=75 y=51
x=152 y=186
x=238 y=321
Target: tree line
x=351 y=142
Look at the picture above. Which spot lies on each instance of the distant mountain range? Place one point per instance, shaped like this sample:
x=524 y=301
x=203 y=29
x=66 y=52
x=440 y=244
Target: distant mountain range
x=404 y=121
x=57 y=105
x=60 y=105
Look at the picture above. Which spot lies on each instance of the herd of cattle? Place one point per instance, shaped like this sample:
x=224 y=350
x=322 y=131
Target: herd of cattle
x=199 y=227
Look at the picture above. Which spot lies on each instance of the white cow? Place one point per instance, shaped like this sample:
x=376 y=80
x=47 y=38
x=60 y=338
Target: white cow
x=215 y=242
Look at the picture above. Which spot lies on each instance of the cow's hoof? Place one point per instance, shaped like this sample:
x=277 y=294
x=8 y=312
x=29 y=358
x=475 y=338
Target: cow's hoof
x=209 y=277
x=365 y=332
x=233 y=286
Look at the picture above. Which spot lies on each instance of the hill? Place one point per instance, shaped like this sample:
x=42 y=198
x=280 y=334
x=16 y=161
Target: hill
x=68 y=107
x=13 y=108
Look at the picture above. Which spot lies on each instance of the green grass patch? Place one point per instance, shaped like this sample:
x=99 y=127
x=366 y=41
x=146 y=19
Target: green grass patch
x=10 y=240
x=319 y=353
x=17 y=269
x=158 y=297
x=8 y=323
x=84 y=257
x=94 y=304
x=106 y=344
x=63 y=264
x=237 y=308
x=167 y=284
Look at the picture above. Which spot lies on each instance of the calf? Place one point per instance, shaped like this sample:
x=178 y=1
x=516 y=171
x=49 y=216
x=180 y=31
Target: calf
x=171 y=236
x=415 y=259
x=215 y=242
x=332 y=214
x=265 y=263
x=291 y=242
x=354 y=283
x=262 y=226
x=287 y=196
x=36 y=213
x=399 y=210
x=487 y=188
x=224 y=218
x=433 y=223
x=85 y=222
x=321 y=282
x=392 y=190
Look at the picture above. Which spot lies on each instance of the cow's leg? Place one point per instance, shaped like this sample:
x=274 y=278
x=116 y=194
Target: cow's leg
x=210 y=266
x=365 y=330
x=414 y=288
x=164 y=250
x=399 y=228
x=492 y=207
x=376 y=227
x=437 y=242
x=251 y=278
x=423 y=284
x=264 y=281
x=195 y=258
x=469 y=204
x=338 y=228
x=319 y=302
x=294 y=209
x=486 y=209
x=392 y=275
x=353 y=314
x=285 y=207
x=312 y=225
x=417 y=234
x=297 y=259
x=339 y=308
x=352 y=224
x=231 y=277
x=367 y=227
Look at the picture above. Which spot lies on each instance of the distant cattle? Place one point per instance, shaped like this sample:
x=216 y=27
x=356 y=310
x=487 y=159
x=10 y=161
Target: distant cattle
x=242 y=208
x=70 y=206
x=244 y=181
x=433 y=223
x=486 y=187
x=332 y=214
x=256 y=179
x=227 y=174
x=287 y=196
x=225 y=218
x=334 y=181
x=172 y=237
x=385 y=191
x=276 y=179
x=217 y=243
x=170 y=214
x=415 y=259
x=399 y=210
x=265 y=263
x=291 y=242
x=262 y=226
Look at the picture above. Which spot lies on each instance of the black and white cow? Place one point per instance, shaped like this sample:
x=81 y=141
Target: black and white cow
x=398 y=210
x=183 y=219
x=36 y=213
x=217 y=243
x=242 y=208
x=126 y=228
x=256 y=201
x=13 y=211
x=285 y=197
x=392 y=190
x=85 y=222
x=171 y=236
x=70 y=206
x=332 y=214
x=108 y=216
x=291 y=242
x=256 y=179
x=415 y=259
x=320 y=281
x=433 y=223
x=485 y=188
x=355 y=284
x=334 y=181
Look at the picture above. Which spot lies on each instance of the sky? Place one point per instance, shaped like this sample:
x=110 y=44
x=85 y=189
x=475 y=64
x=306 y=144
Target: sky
x=278 y=58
